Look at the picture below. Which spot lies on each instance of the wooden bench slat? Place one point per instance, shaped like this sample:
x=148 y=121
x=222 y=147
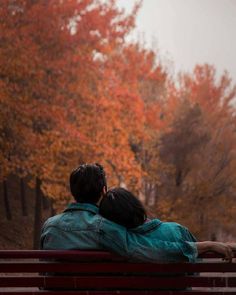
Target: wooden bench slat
x=55 y=254
x=103 y=273
x=78 y=254
x=27 y=267
x=117 y=282
x=157 y=292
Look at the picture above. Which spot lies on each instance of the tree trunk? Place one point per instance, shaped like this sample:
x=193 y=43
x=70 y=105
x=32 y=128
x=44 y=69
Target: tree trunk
x=22 y=196
x=6 y=201
x=53 y=212
x=156 y=196
x=146 y=193
x=37 y=214
x=46 y=202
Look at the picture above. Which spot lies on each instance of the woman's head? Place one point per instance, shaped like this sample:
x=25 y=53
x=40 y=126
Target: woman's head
x=122 y=207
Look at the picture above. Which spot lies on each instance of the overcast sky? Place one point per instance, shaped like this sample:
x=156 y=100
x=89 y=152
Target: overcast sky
x=188 y=32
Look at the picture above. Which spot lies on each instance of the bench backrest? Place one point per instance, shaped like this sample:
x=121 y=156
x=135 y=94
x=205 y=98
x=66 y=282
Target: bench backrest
x=93 y=272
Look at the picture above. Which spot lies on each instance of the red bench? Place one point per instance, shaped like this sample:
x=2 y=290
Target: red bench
x=102 y=273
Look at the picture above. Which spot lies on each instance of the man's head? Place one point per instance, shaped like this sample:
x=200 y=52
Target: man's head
x=88 y=183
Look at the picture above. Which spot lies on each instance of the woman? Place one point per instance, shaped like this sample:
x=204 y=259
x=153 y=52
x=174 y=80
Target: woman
x=122 y=207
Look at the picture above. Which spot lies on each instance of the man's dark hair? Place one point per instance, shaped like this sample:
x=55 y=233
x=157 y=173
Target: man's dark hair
x=121 y=206
x=87 y=183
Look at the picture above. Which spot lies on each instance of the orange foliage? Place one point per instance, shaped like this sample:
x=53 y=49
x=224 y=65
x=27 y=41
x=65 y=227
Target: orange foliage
x=55 y=108
x=199 y=151
x=73 y=91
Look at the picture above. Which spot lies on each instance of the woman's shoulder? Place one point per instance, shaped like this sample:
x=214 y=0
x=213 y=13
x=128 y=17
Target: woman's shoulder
x=168 y=231
x=152 y=224
x=148 y=226
x=178 y=231
x=172 y=224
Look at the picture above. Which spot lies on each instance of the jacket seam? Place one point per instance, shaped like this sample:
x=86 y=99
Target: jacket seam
x=62 y=229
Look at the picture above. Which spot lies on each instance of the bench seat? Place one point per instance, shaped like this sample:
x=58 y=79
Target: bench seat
x=92 y=272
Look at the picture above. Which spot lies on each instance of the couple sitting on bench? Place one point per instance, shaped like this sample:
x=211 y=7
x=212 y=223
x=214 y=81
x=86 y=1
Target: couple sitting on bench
x=115 y=220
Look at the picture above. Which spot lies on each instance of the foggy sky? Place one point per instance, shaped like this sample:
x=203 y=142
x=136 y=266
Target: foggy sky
x=188 y=32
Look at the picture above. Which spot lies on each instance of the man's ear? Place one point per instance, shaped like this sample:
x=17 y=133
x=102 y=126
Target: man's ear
x=104 y=191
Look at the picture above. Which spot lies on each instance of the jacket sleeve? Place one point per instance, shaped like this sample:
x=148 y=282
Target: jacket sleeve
x=143 y=248
x=175 y=232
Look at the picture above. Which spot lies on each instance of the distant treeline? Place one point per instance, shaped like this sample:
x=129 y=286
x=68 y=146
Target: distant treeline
x=72 y=90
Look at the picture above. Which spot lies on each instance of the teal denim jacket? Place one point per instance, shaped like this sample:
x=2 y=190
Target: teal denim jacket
x=165 y=231
x=81 y=227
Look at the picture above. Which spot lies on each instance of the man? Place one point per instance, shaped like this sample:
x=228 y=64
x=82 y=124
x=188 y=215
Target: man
x=81 y=227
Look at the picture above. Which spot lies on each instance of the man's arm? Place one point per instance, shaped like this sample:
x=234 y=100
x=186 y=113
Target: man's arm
x=139 y=247
x=222 y=248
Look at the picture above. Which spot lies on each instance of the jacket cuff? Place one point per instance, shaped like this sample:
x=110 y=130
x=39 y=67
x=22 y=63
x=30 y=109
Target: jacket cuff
x=191 y=251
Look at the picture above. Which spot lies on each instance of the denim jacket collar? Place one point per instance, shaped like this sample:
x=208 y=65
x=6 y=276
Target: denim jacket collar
x=82 y=207
x=147 y=226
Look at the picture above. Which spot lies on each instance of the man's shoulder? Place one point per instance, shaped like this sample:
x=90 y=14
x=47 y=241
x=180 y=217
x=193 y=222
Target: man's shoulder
x=51 y=221
x=67 y=221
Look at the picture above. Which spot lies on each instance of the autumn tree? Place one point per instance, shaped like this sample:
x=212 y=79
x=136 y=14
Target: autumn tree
x=56 y=109
x=199 y=153
x=72 y=90
x=144 y=82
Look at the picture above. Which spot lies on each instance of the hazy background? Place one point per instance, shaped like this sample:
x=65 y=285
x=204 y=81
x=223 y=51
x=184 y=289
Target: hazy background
x=189 y=32
x=75 y=89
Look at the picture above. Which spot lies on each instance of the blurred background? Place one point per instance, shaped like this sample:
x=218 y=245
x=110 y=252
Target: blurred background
x=145 y=88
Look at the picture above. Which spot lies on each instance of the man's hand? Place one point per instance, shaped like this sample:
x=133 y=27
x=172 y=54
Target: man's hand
x=222 y=248
x=232 y=245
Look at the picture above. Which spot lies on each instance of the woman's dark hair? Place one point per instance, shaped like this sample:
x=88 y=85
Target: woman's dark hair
x=121 y=206
x=87 y=183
